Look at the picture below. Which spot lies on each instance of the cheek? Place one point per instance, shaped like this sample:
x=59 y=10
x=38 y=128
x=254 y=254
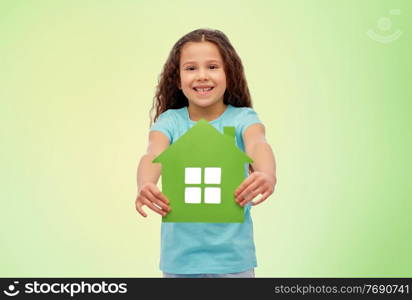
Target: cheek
x=222 y=79
x=223 y=82
x=186 y=81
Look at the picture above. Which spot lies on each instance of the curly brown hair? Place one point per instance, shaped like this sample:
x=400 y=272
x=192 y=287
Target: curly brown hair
x=168 y=95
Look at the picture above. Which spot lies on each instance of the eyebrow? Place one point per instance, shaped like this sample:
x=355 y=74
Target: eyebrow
x=209 y=61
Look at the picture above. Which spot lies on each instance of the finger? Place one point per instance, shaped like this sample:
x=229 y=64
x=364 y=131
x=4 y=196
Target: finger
x=253 y=186
x=140 y=209
x=244 y=184
x=251 y=196
x=152 y=197
x=158 y=194
x=263 y=198
x=153 y=207
x=147 y=193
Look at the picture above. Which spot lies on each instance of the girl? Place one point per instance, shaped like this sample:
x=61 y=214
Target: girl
x=203 y=78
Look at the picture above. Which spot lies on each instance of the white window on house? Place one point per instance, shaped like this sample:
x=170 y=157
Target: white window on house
x=212 y=175
x=193 y=194
x=211 y=194
x=193 y=175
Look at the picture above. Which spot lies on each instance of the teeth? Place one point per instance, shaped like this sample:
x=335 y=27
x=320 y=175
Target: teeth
x=203 y=89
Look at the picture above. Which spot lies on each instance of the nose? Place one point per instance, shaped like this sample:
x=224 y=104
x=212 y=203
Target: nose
x=202 y=74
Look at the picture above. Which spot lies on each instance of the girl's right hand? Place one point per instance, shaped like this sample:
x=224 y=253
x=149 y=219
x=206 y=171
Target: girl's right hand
x=153 y=198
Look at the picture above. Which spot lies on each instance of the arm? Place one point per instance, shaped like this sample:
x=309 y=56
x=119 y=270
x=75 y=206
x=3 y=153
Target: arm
x=263 y=179
x=148 y=174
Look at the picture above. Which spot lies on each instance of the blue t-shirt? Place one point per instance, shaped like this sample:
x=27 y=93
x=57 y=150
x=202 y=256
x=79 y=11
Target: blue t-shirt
x=193 y=248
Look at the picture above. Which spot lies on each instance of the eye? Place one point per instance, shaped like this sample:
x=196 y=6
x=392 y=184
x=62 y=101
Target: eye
x=214 y=67
x=190 y=68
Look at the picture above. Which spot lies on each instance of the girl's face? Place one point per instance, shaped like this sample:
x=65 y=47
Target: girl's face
x=202 y=74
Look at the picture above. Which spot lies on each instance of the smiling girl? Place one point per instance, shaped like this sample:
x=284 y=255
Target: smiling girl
x=203 y=78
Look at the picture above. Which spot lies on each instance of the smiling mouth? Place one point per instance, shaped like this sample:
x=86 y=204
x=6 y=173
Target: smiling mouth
x=203 y=91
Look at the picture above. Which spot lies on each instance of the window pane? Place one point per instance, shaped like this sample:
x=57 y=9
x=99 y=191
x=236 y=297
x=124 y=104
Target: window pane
x=193 y=175
x=212 y=195
x=192 y=195
x=212 y=175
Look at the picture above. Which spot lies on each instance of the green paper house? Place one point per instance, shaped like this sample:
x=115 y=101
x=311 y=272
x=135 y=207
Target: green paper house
x=200 y=173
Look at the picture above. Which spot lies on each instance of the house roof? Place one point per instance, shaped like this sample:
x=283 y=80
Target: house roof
x=201 y=139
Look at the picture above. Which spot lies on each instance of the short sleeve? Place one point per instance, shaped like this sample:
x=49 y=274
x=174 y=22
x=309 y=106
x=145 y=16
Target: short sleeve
x=247 y=118
x=164 y=124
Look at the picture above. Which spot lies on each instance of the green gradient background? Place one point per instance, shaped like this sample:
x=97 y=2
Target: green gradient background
x=77 y=80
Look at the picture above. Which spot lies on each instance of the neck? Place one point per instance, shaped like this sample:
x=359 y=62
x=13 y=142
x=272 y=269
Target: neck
x=208 y=113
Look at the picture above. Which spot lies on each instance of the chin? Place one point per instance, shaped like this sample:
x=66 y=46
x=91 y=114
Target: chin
x=204 y=102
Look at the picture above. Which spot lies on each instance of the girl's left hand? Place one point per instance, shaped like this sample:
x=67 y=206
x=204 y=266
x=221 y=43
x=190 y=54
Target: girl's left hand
x=257 y=183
